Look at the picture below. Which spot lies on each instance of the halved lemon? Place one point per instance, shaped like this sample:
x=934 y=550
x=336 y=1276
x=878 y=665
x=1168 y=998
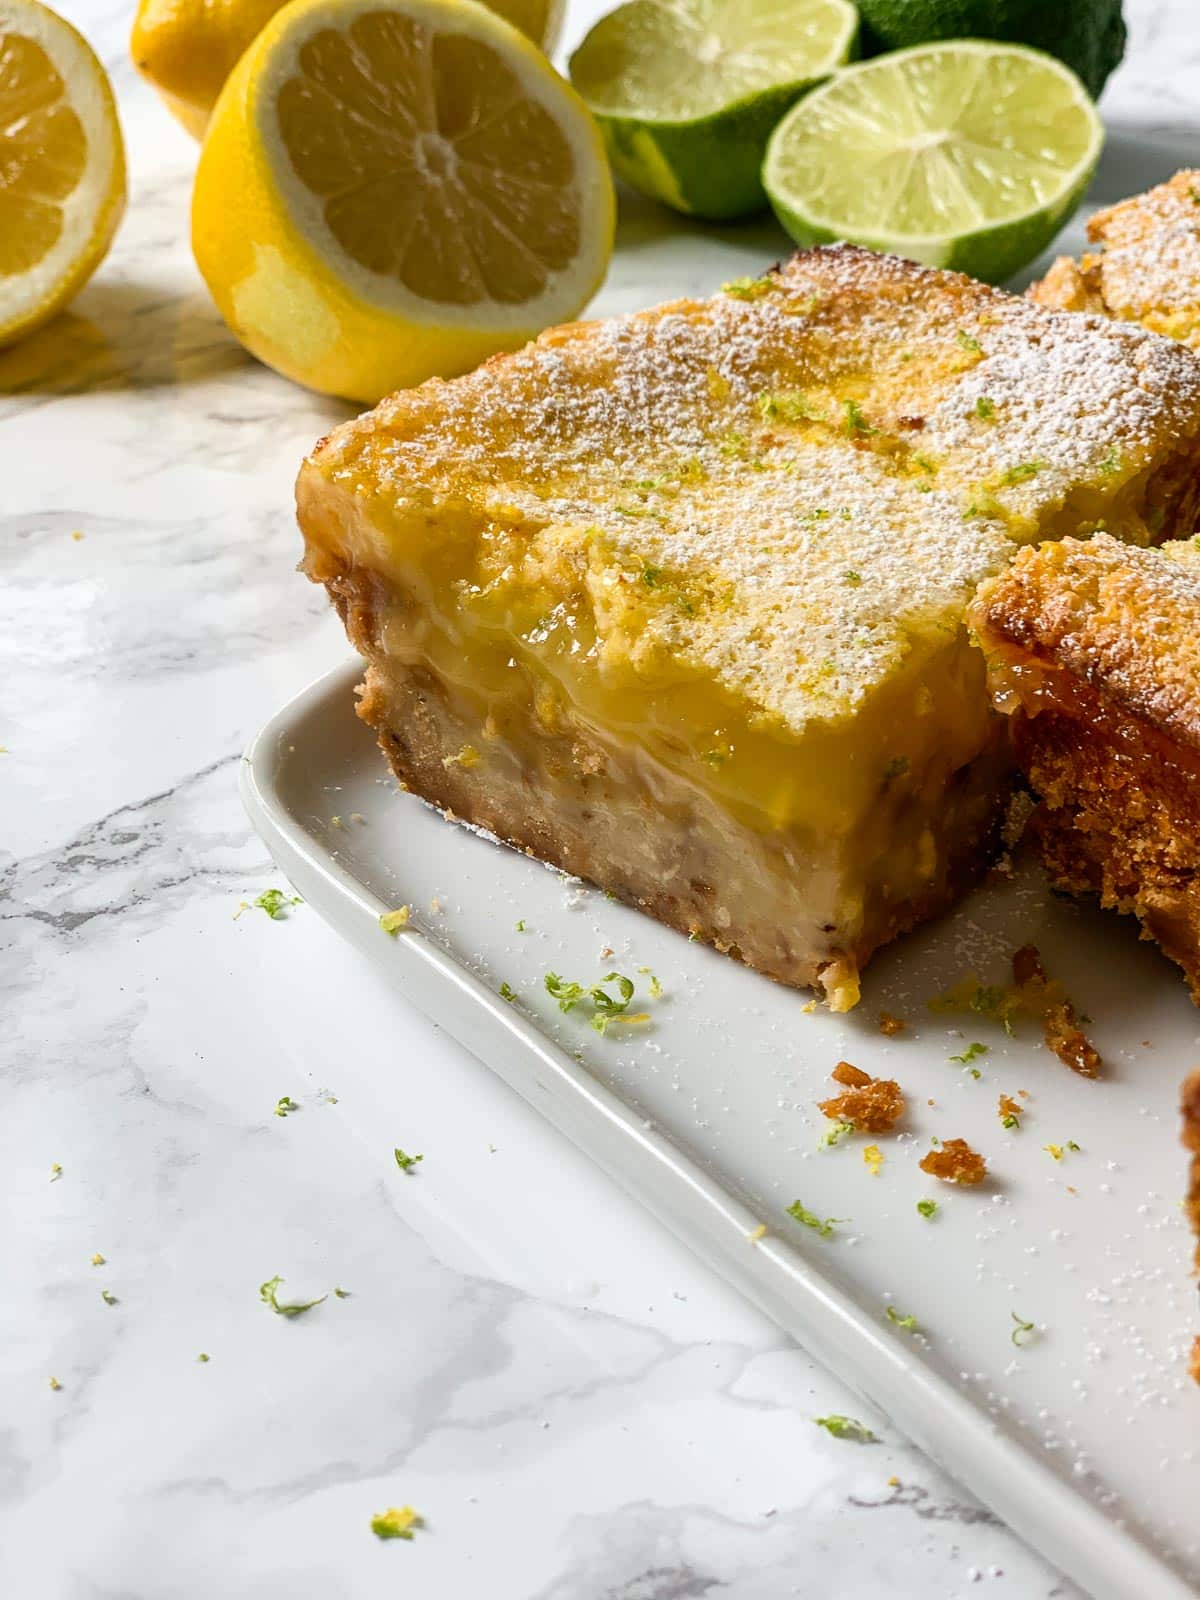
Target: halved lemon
x=62 y=165
x=187 y=48
x=393 y=191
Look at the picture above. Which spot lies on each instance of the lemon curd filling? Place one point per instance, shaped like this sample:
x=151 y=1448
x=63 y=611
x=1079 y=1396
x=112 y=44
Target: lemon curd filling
x=693 y=585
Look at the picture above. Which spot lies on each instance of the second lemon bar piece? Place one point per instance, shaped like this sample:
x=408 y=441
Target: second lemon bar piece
x=676 y=601
x=1146 y=264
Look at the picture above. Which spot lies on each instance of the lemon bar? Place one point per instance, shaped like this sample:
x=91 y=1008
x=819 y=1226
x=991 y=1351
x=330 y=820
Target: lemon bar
x=1094 y=651
x=1146 y=265
x=676 y=601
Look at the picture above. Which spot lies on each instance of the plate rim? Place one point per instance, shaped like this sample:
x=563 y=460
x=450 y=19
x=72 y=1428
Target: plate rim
x=1002 y=1469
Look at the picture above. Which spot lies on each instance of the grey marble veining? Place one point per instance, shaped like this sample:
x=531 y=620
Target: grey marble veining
x=578 y=1408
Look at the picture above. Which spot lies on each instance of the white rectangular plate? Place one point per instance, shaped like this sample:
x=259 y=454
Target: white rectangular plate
x=1085 y=1439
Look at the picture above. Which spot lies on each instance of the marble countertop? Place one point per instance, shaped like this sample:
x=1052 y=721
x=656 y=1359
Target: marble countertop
x=577 y=1407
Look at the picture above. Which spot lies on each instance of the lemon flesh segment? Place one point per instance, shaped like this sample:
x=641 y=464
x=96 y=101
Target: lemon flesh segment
x=966 y=155
x=392 y=192
x=688 y=91
x=62 y=172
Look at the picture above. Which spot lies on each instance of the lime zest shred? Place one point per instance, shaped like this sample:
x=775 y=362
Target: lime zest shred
x=97 y=1260
x=268 y=1293
x=968 y=1055
x=928 y=1208
x=856 y=424
x=1022 y=472
x=845 y=1428
x=56 y=1172
x=899 y=1320
x=109 y=1297
x=823 y=1228
x=1023 y=1333
x=985 y=408
x=787 y=405
x=284 y=1105
x=203 y=1358
x=749 y=288
x=834 y=1135
x=392 y=921
x=404 y=1162
x=507 y=992
x=54 y=1383
x=397 y=1522
x=606 y=1008
x=992 y=1001
x=273 y=901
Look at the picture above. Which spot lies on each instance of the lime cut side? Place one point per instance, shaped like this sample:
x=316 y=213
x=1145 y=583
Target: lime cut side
x=687 y=91
x=968 y=155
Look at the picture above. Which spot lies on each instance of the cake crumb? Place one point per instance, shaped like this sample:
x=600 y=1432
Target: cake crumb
x=1011 y=1112
x=873 y=1105
x=955 y=1162
x=1060 y=1023
x=890 y=1026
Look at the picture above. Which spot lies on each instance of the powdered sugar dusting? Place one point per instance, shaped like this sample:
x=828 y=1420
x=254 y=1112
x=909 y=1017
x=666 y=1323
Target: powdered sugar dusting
x=795 y=485
x=1151 y=260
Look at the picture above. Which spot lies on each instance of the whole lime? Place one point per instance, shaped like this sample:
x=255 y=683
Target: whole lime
x=1089 y=35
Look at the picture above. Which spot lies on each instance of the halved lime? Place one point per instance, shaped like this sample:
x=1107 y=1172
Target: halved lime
x=967 y=154
x=688 y=91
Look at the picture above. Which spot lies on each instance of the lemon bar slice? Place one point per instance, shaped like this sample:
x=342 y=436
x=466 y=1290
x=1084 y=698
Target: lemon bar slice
x=1094 y=651
x=1146 y=264
x=677 y=601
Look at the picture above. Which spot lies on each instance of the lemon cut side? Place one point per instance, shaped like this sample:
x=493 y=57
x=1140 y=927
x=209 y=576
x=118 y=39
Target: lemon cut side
x=62 y=172
x=392 y=192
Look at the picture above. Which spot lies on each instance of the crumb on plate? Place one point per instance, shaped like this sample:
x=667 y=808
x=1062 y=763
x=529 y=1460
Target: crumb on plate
x=954 y=1162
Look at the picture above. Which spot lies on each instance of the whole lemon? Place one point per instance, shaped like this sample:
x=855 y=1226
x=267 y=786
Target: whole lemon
x=187 y=48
